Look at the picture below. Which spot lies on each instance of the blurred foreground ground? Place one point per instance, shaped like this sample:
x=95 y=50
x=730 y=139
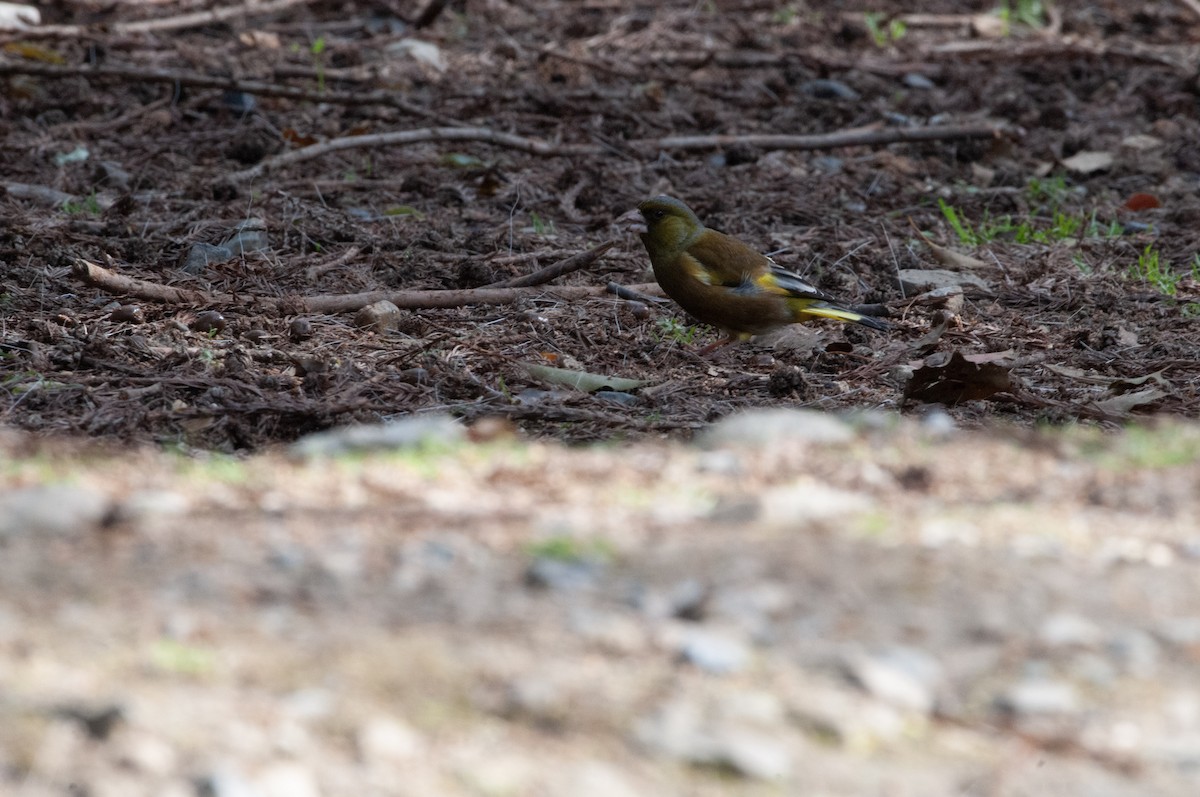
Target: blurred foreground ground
x=900 y=609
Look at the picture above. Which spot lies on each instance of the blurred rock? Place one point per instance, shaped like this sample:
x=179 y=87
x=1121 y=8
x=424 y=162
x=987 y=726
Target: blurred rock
x=777 y=427
x=145 y=753
x=411 y=432
x=596 y=779
x=1066 y=630
x=683 y=729
x=201 y=255
x=386 y=741
x=564 y=575
x=287 y=779
x=714 y=652
x=1136 y=652
x=905 y=677
x=1039 y=697
x=52 y=509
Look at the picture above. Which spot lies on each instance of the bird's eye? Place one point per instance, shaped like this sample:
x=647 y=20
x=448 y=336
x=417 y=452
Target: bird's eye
x=658 y=214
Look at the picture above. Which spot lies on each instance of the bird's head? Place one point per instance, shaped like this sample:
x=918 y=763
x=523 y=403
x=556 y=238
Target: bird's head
x=669 y=223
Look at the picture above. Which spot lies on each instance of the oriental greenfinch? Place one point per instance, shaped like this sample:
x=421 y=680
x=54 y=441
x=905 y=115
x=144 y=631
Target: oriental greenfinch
x=723 y=282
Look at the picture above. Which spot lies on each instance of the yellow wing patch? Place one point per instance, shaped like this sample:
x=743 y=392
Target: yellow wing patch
x=695 y=269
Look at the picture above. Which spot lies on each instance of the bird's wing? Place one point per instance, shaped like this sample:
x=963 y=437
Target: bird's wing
x=787 y=283
x=718 y=259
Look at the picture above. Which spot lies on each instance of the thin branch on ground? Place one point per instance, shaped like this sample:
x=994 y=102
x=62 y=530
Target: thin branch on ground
x=259 y=88
x=649 y=146
x=531 y=146
x=199 y=19
x=317 y=270
x=636 y=293
x=868 y=136
x=553 y=272
x=1065 y=47
x=120 y=285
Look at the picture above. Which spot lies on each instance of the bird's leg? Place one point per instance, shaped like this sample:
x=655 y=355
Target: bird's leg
x=710 y=348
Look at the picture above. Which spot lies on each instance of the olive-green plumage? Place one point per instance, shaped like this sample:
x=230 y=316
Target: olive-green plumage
x=723 y=282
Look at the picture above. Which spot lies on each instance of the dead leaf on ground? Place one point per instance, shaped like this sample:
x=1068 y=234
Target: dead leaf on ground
x=1141 y=201
x=1126 y=383
x=961 y=378
x=1116 y=384
x=1088 y=162
x=1125 y=403
x=948 y=257
x=929 y=340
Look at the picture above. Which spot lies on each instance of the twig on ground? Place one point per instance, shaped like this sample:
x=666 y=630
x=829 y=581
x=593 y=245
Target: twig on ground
x=635 y=293
x=198 y=80
x=121 y=285
x=553 y=272
x=252 y=8
x=843 y=138
x=317 y=270
x=534 y=146
x=531 y=146
x=1067 y=46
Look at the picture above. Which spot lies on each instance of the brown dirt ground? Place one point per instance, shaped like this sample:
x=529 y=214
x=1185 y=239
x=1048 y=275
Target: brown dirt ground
x=267 y=623
x=595 y=73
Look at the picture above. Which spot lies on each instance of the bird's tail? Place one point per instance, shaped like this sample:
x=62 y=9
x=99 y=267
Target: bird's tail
x=824 y=310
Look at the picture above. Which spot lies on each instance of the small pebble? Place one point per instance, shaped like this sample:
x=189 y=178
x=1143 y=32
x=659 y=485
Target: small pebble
x=714 y=652
x=828 y=90
x=382 y=316
x=203 y=255
x=1038 y=696
x=915 y=80
x=638 y=310
x=257 y=335
x=207 y=322
x=301 y=329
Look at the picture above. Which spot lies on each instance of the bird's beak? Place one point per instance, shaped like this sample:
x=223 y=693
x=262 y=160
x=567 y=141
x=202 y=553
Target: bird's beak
x=631 y=222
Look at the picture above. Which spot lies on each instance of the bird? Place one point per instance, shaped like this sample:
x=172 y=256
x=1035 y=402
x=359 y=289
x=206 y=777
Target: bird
x=727 y=284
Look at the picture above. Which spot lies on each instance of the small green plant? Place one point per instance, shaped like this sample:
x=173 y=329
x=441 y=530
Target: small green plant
x=317 y=50
x=1051 y=191
x=884 y=33
x=178 y=658
x=1191 y=310
x=1051 y=225
x=1155 y=270
x=961 y=228
x=674 y=330
x=88 y=206
x=786 y=15
x=1030 y=13
x=566 y=548
x=541 y=226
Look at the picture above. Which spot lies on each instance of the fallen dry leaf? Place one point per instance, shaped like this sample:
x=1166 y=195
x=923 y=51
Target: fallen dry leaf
x=1124 y=403
x=948 y=257
x=958 y=379
x=1088 y=162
